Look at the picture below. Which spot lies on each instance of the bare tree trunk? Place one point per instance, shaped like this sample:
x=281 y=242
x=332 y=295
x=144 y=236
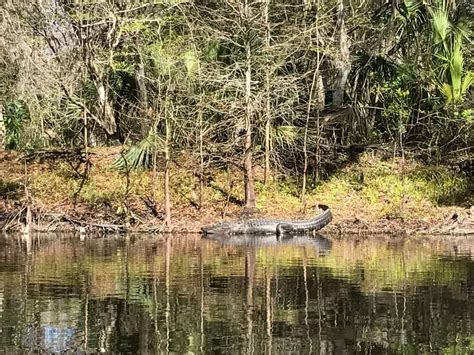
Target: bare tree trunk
x=108 y=122
x=106 y=118
x=250 y=202
x=343 y=63
x=316 y=93
x=84 y=64
x=86 y=137
x=268 y=122
x=305 y=141
x=306 y=127
x=167 y=172
x=143 y=97
x=319 y=107
x=320 y=99
x=201 y=156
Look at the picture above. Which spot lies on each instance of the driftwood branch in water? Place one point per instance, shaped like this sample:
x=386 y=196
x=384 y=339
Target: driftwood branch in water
x=109 y=227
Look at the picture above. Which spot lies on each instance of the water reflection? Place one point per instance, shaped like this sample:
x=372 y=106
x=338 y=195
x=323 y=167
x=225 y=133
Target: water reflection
x=184 y=294
x=321 y=244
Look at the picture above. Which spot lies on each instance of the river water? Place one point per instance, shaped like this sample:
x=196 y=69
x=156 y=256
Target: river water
x=185 y=294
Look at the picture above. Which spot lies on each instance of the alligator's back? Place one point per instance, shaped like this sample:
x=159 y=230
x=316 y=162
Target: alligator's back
x=243 y=227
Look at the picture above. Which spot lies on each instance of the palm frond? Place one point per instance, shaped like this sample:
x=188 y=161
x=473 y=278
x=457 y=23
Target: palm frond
x=139 y=156
x=292 y=137
x=441 y=25
x=411 y=7
x=16 y=113
x=287 y=135
x=456 y=68
x=447 y=91
x=467 y=82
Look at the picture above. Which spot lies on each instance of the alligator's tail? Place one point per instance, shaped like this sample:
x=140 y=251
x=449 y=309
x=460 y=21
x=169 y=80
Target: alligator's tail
x=300 y=227
x=321 y=220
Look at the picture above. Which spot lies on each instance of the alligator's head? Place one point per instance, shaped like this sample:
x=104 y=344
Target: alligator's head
x=224 y=228
x=321 y=207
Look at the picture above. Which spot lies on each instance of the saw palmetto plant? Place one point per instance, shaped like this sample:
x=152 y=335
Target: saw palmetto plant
x=140 y=155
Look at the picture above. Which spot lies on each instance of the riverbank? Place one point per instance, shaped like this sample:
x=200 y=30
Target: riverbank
x=373 y=195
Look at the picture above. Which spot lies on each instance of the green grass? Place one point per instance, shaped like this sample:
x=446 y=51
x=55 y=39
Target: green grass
x=385 y=191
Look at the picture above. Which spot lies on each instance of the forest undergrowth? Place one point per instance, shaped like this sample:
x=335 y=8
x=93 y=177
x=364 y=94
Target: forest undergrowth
x=376 y=193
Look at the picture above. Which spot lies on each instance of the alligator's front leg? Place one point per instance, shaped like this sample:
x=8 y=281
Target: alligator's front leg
x=284 y=228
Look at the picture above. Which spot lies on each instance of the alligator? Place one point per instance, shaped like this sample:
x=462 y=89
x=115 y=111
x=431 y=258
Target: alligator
x=265 y=226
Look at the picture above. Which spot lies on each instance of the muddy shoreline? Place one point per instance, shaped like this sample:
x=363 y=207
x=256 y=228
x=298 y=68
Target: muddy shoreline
x=460 y=223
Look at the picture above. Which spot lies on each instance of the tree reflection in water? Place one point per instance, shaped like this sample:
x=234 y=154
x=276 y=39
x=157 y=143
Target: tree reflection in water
x=183 y=294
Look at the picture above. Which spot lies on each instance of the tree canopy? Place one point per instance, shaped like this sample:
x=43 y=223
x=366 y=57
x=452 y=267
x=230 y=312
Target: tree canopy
x=281 y=83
